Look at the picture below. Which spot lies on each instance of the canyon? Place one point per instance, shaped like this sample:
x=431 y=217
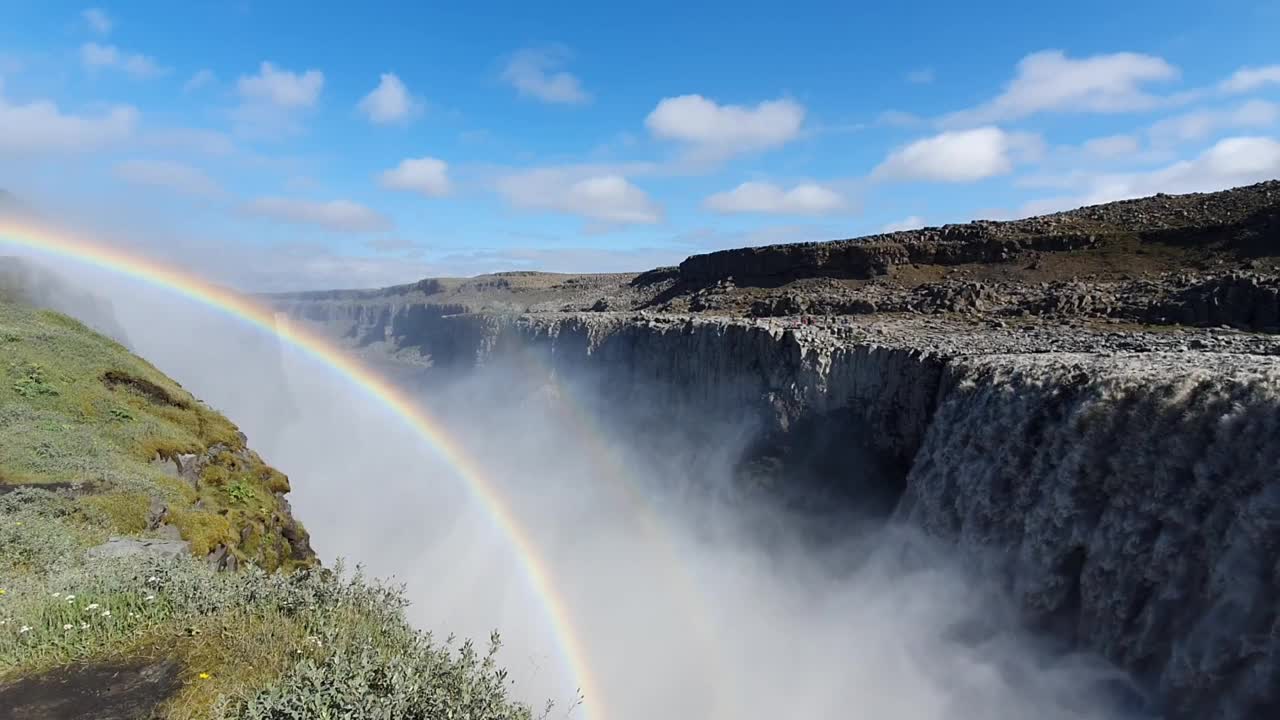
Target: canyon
x=1084 y=404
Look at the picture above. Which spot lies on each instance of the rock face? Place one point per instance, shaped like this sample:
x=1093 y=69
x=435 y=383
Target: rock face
x=1094 y=441
x=126 y=547
x=1243 y=219
x=1131 y=504
x=120 y=690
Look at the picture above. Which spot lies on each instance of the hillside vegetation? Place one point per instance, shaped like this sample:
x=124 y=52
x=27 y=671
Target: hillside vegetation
x=150 y=566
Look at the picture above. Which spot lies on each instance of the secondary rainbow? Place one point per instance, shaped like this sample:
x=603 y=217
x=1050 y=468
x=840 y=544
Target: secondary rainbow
x=27 y=234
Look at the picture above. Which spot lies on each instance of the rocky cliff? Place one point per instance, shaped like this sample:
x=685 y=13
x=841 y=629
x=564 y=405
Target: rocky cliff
x=1083 y=403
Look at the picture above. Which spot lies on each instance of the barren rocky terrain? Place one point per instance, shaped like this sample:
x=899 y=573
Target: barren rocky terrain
x=1204 y=260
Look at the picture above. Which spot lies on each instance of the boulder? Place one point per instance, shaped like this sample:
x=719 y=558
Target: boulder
x=128 y=547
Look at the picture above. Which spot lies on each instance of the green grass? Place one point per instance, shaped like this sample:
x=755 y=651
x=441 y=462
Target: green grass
x=78 y=408
x=81 y=422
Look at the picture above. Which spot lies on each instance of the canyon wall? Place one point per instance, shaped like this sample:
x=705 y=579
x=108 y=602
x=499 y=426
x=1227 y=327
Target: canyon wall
x=1123 y=489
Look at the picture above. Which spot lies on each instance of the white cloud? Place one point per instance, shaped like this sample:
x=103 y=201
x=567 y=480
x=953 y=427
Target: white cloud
x=339 y=215
x=1200 y=124
x=959 y=156
x=95 y=57
x=39 y=126
x=1049 y=81
x=912 y=222
x=1230 y=162
x=271 y=100
x=923 y=76
x=608 y=198
x=173 y=176
x=1251 y=78
x=200 y=79
x=721 y=130
x=763 y=197
x=390 y=102
x=425 y=175
x=533 y=73
x=1111 y=146
x=97 y=20
x=281 y=88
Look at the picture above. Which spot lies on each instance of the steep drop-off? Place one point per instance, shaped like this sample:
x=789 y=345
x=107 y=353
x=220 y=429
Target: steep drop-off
x=151 y=567
x=1110 y=464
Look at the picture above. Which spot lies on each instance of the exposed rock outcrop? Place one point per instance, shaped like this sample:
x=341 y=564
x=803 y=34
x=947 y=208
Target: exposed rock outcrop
x=127 y=546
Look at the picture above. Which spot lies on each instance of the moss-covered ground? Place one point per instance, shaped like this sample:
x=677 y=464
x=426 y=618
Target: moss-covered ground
x=88 y=433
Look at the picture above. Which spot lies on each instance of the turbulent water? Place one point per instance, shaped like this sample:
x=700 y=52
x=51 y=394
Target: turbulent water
x=1129 y=503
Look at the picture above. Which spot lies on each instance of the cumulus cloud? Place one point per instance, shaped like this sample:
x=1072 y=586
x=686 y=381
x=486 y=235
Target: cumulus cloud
x=959 y=156
x=911 y=222
x=1111 y=146
x=389 y=102
x=271 y=99
x=1198 y=125
x=425 y=175
x=96 y=57
x=172 y=176
x=39 y=126
x=338 y=215
x=97 y=20
x=200 y=79
x=1248 y=79
x=535 y=73
x=763 y=197
x=1230 y=162
x=607 y=198
x=281 y=88
x=722 y=130
x=1050 y=81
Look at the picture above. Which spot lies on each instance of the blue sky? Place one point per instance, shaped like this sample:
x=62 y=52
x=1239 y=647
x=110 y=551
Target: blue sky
x=288 y=145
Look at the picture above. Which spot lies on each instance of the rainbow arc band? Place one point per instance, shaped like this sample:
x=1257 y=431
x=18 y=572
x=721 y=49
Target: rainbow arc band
x=64 y=244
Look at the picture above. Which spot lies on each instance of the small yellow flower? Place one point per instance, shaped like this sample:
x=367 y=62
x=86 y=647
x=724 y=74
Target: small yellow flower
x=204 y=676
x=1 y=591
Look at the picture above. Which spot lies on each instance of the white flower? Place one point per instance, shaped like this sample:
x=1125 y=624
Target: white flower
x=57 y=595
x=130 y=614
x=71 y=598
x=150 y=598
x=106 y=613
x=84 y=626
x=67 y=626
x=92 y=606
x=153 y=579
x=25 y=629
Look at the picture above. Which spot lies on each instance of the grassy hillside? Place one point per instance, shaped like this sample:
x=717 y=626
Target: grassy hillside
x=144 y=547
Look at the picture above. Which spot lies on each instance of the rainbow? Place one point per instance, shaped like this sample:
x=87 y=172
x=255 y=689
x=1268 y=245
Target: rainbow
x=62 y=244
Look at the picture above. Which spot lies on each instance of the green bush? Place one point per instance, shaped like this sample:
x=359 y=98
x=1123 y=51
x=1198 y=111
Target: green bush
x=30 y=380
x=35 y=532
x=351 y=654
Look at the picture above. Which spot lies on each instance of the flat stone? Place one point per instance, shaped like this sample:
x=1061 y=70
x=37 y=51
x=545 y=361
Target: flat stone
x=128 y=547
